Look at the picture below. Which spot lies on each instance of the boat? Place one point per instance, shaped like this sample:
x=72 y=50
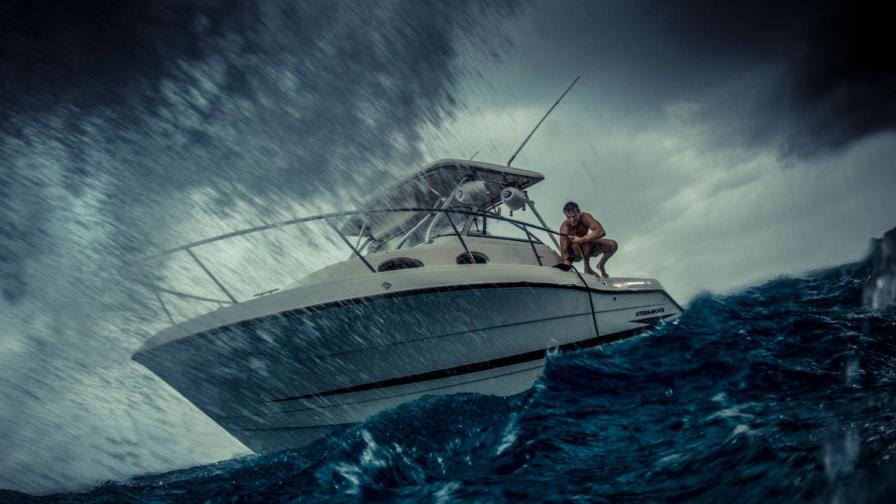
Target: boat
x=444 y=293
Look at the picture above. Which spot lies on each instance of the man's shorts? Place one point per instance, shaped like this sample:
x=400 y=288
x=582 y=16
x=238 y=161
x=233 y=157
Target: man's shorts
x=572 y=252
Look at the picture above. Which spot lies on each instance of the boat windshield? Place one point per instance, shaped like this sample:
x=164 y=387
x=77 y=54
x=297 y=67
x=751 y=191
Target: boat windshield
x=437 y=224
x=434 y=224
x=432 y=187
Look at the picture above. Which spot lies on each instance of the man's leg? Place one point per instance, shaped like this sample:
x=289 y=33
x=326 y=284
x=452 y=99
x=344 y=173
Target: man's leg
x=608 y=248
x=587 y=250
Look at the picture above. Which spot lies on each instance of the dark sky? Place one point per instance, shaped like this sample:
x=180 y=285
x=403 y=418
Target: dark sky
x=251 y=101
x=823 y=72
x=814 y=76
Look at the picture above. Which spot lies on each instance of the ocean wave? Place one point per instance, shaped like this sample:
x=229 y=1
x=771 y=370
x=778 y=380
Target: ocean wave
x=782 y=391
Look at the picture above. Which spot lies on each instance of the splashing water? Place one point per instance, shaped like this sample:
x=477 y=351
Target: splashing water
x=180 y=119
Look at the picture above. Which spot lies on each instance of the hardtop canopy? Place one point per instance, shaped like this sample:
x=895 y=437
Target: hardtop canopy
x=429 y=188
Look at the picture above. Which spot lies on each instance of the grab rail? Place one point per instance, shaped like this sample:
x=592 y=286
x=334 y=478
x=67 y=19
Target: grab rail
x=327 y=218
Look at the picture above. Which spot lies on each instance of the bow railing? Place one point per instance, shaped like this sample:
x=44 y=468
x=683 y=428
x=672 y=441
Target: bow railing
x=328 y=219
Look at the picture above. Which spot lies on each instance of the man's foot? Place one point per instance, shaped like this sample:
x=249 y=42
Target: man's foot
x=603 y=273
x=589 y=271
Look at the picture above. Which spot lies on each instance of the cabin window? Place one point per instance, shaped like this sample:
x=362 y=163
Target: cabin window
x=478 y=258
x=399 y=263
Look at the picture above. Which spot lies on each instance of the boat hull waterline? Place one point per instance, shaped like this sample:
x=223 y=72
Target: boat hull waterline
x=284 y=380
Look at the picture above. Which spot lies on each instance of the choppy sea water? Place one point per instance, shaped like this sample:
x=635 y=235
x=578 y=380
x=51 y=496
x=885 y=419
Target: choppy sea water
x=785 y=391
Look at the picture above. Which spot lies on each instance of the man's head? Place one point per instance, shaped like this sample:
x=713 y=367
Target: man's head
x=572 y=212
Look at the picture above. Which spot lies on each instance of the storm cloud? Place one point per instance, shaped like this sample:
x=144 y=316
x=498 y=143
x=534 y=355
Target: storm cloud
x=249 y=101
x=831 y=65
x=807 y=78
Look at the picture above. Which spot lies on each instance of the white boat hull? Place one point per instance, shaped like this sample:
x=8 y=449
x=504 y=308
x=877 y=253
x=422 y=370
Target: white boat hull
x=286 y=379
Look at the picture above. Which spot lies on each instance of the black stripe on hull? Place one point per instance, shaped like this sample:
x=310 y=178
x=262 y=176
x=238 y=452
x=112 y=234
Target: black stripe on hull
x=469 y=368
x=319 y=407
x=301 y=427
x=652 y=320
x=439 y=336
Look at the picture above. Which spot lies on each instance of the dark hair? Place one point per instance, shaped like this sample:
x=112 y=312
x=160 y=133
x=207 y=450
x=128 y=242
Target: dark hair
x=570 y=206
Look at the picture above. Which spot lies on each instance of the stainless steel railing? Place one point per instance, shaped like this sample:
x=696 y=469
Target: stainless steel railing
x=327 y=218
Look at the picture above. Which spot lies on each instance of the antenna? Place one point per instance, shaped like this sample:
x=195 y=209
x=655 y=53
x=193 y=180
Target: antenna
x=542 y=120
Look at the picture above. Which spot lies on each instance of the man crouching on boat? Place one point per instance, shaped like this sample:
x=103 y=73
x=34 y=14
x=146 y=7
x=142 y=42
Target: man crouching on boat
x=581 y=236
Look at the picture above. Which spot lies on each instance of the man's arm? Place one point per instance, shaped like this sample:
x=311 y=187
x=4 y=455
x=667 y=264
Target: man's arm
x=564 y=244
x=597 y=231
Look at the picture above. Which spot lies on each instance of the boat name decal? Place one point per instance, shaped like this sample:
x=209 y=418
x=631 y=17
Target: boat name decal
x=654 y=311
